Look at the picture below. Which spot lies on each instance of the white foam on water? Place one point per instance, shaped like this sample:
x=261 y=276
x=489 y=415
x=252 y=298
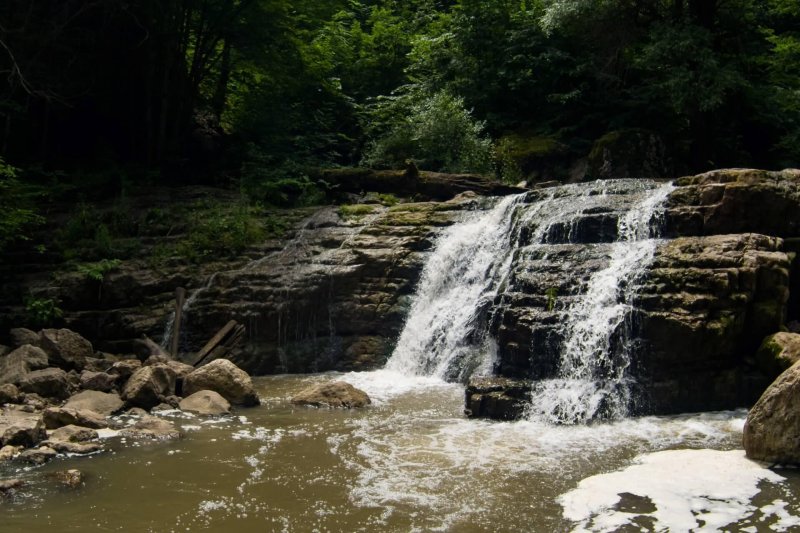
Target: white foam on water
x=383 y=385
x=786 y=521
x=433 y=465
x=691 y=490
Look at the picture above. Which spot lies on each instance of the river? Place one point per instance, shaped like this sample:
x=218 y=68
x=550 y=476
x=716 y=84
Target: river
x=412 y=462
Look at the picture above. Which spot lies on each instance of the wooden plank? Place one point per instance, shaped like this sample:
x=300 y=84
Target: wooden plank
x=214 y=342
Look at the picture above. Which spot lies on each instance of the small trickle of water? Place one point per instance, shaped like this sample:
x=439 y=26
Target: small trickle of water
x=593 y=379
x=444 y=335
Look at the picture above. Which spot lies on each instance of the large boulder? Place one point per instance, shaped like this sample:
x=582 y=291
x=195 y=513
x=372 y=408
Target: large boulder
x=56 y=417
x=103 y=403
x=125 y=368
x=205 y=402
x=48 y=383
x=225 y=378
x=21 y=336
x=332 y=394
x=25 y=359
x=65 y=348
x=19 y=428
x=149 y=386
x=778 y=352
x=98 y=381
x=772 y=429
x=72 y=433
x=9 y=394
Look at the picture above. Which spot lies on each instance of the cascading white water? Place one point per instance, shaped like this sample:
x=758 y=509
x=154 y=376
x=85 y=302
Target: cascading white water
x=444 y=335
x=593 y=380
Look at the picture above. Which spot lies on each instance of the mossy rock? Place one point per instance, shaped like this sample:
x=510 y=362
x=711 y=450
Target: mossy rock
x=777 y=353
x=530 y=157
x=631 y=153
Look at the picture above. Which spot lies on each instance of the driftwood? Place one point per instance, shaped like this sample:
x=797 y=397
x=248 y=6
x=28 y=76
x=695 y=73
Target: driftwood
x=222 y=343
x=424 y=185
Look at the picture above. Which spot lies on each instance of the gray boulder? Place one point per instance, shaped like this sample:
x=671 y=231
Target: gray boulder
x=56 y=417
x=48 y=383
x=225 y=378
x=125 y=368
x=772 y=429
x=23 y=336
x=151 y=428
x=20 y=362
x=72 y=433
x=98 y=381
x=149 y=386
x=65 y=348
x=9 y=393
x=778 y=352
x=18 y=428
x=205 y=402
x=103 y=403
x=332 y=394
x=38 y=456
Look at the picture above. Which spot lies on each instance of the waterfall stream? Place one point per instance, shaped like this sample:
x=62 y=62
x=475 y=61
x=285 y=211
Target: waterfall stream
x=446 y=334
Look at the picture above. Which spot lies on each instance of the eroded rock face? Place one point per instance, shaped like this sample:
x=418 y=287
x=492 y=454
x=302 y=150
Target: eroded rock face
x=772 y=429
x=332 y=394
x=225 y=378
x=497 y=398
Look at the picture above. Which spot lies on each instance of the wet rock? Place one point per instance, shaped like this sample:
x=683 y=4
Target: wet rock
x=96 y=364
x=151 y=428
x=37 y=456
x=162 y=407
x=777 y=353
x=77 y=448
x=56 y=417
x=497 y=398
x=136 y=411
x=9 y=394
x=205 y=402
x=10 y=485
x=8 y=452
x=97 y=381
x=48 y=382
x=72 y=433
x=125 y=368
x=332 y=394
x=18 y=428
x=20 y=362
x=772 y=429
x=65 y=348
x=22 y=336
x=225 y=378
x=69 y=478
x=149 y=385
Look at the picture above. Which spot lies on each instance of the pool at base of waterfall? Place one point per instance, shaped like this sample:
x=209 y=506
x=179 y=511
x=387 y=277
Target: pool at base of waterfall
x=412 y=462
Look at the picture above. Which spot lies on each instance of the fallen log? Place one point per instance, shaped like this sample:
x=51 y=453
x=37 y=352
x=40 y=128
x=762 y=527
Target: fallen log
x=222 y=343
x=424 y=185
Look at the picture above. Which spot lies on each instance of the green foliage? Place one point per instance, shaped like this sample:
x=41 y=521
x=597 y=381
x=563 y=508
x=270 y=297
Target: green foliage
x=41 y=312
x=349 y=211
x=219 y=230
x=17 y=216
x=388 y=200
x=97 y=271
x=286 y=183
x=435 y=130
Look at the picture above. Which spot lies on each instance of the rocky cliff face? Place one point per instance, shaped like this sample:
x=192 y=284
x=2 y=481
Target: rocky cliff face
x=334 y=293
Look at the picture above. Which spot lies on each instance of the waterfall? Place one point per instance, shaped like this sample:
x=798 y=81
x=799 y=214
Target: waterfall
x=593 y=380
x=445 y=334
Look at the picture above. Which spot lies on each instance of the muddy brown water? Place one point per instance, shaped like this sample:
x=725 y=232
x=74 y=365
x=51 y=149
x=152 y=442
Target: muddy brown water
x=409 y=462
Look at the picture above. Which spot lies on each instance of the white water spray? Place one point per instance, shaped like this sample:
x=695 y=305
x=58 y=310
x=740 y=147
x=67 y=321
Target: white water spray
x=593 y=380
